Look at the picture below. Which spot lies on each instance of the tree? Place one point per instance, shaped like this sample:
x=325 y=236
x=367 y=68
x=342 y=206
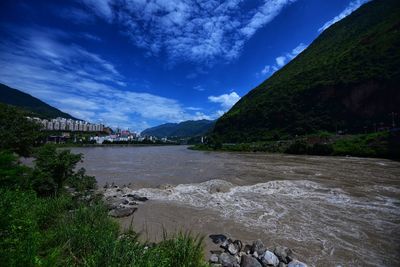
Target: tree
x=17 y=133
x=53 y=168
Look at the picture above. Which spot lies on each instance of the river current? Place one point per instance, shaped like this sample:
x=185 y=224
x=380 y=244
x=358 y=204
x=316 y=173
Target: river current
x=332 y=211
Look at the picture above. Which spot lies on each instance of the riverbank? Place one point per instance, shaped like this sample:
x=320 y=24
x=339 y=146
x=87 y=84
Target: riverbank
x=376 y=145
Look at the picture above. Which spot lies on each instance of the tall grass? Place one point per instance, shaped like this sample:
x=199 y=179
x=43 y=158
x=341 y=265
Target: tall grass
x=61 y=231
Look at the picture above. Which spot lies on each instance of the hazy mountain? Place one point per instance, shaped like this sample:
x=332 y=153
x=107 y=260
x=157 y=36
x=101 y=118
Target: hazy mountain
x=183 y=129
x=347 y=79
x=29 y=103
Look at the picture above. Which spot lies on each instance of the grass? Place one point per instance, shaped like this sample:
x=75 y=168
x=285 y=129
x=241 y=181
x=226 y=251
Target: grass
x=62 y=231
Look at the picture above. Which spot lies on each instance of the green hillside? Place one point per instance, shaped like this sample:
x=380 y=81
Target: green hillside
x=29 y=103
x=348 y=79
x=183 y=129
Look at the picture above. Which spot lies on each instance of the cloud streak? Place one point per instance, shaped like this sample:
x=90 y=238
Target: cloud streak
x=44 y=63
x=282 y=60
x=353 y=5
x=189 y=30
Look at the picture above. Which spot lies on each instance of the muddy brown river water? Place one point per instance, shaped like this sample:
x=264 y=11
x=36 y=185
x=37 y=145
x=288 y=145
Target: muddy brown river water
x=333 y=211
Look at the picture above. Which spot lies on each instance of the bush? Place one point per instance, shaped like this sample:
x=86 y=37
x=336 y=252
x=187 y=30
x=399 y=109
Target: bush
x=12 y=174
x=298 y=147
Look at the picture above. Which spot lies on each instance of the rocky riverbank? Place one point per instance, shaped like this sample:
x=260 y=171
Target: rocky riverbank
x=236 y=254
x=120 y=201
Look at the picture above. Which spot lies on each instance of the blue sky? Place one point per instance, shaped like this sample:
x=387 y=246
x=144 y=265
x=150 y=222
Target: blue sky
x=140 y=63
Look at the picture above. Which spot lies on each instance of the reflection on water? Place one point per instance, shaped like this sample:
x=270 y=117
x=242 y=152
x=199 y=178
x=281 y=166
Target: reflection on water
x=331 y=210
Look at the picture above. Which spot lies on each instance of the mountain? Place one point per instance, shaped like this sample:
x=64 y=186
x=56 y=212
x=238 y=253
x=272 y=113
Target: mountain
x=29 y=103
x=183 y=129
x=347 y=79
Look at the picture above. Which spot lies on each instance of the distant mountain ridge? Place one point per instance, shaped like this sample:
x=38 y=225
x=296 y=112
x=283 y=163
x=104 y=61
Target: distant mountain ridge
x=30 y=103
x=184 y=129
x=347 y=79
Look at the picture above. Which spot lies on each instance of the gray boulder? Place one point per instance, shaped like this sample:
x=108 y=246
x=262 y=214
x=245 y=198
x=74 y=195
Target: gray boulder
x=114 y=202
x=121 y=211
x=214 y=258
x=258 y=246
x=247 y=249
x=284 y=254
x=249 y=261
x=228 y=260
x=233 y=248
x=269 y=258
x=226 y=243
x=217 y=239
x=296 y=263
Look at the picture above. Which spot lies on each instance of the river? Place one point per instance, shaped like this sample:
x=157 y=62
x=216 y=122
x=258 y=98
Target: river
x=331 y=210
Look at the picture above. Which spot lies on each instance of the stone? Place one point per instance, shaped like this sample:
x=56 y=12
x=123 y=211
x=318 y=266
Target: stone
x=296 y=263
x=247 y=249
x=228 y=260
x=249 y=261
x=226 y=243
x=217 y=239
x=258 y=246
x=214 y=258
x=269 y=258
x=239 y=244
x=137 y=198
x=233 y=248
x=284 y=254
x=281 y=264
x=216 y=265
x=113 y=202
x=121 y=212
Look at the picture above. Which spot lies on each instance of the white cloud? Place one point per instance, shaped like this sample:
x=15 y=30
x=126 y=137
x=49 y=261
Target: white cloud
x=226 y=100
x=266 y=70
x=353 y=5
x=45 y=64
x=280 y=61
x=189 y=30
x=199 y=88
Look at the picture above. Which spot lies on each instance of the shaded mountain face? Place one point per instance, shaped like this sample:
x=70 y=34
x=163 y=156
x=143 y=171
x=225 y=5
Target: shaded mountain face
x=183 y=129
x=348 y=79
x=29 y=103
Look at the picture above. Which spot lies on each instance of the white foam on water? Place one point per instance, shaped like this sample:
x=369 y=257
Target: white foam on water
x=301 y=210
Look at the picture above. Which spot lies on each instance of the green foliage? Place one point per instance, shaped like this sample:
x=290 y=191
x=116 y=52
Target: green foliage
x=60 y=232
x=19 y=229
x=16 y=132
x=371 y=145
x=12 y=174
x=347 y=79
x=53 y=168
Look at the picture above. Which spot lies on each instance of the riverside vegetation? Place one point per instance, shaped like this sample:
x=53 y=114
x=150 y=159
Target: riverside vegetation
x=385 y=144
x=41 y=224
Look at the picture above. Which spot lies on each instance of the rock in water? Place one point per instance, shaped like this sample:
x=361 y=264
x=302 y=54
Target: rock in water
x=269 y=258
x=249 y=261
x=137 y=198
x=296 y=263
x=216 y=239
x=228 y=260
x=121 y=212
